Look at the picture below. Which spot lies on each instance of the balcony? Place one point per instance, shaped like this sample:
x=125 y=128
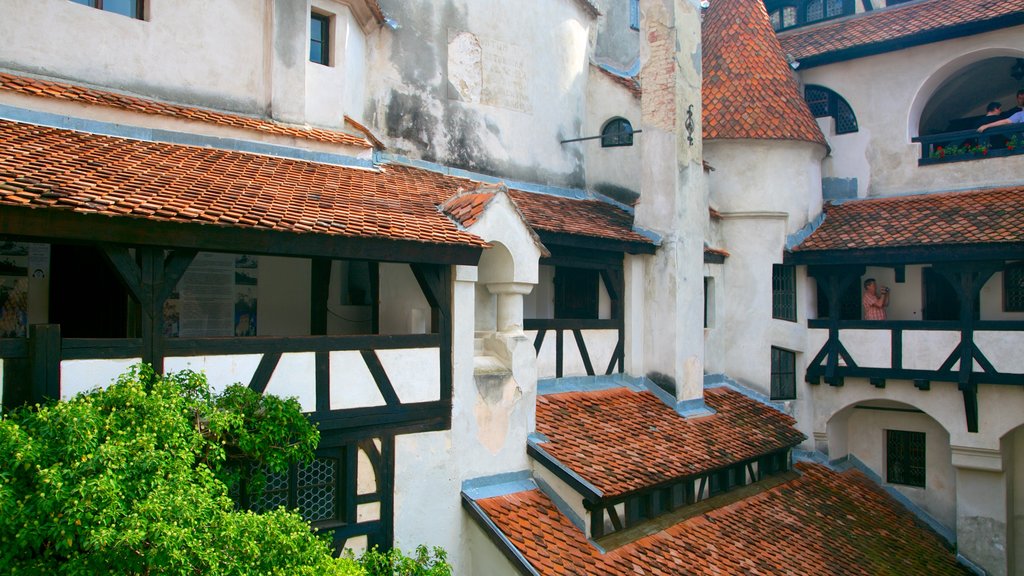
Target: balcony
x=967 y=145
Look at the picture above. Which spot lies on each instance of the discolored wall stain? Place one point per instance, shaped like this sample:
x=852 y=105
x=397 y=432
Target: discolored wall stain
x=409 y=119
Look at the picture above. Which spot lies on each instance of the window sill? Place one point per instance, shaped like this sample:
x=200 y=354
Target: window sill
x=997 y=153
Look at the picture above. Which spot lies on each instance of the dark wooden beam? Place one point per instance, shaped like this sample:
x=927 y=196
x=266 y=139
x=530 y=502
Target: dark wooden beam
x=67 y=226
x=551 y=239
x=380 y=377
x=319 y=291
x=44 y=356
x=896 y=255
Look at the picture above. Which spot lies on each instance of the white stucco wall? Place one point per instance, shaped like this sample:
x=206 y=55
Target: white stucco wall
x=403 y=308
x=472 y=83
x=612 y=170
x=888 y=93
x=866 y=430
x=600 y=347
x=766 y=176
x=191 y=51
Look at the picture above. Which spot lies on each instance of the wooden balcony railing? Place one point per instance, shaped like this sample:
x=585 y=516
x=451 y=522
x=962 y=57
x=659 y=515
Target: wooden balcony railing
x=965 y=145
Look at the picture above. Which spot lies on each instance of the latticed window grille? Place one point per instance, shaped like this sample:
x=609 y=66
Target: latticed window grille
x=314 y=490
x=824 y=102
x=783 y=374
x=1013 y=287
x=905 y=458
x=784 y=292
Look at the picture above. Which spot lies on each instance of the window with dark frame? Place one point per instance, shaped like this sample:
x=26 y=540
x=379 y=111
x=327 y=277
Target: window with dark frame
x=784 y=292
x=129 y=8
x=824 y=102
x=783 y=374
x=576 y=293
x=617 y=132
x=316 y=490
x=320 y=38
x=1013 y=287
x=905 y=458
x=785 y=14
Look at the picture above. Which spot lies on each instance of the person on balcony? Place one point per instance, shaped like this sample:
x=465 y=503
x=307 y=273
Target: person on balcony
x=1016 y=118
x=874 y=305
x=993 y=112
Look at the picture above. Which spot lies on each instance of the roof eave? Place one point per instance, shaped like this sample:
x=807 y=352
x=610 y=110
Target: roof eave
x=886 y=255
x=50 y=224
x=918 y=39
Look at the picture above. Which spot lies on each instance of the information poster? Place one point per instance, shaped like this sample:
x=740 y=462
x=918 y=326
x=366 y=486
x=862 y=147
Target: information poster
x=216 y=297
x=13 y=290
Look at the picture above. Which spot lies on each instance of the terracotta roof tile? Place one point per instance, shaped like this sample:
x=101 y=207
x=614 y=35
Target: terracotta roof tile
x=592 y=218
x=749 y=90
x=823 y=522
x=62 y=169
x=42 y=166
x=466 y=208
x=951 y=218
x=74 y=93
x=895 y=25
x=622 y=441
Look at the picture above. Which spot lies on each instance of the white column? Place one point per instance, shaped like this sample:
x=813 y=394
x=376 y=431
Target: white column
x=510 y=304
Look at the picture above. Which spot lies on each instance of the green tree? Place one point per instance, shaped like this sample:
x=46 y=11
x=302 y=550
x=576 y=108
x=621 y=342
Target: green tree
x=132 y=480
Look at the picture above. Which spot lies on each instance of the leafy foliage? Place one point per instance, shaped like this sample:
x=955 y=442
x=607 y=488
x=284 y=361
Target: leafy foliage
x=395 y=563
x=130 y=480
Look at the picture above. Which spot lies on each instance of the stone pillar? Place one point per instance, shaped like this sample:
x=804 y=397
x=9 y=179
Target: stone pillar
x=510 y=305
x=983 y=499
x=673 y=200
x=288 y=56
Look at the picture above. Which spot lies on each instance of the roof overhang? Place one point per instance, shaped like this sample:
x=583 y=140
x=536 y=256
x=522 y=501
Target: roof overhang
x=595 y=243
x=908 y=254
x=59 y=225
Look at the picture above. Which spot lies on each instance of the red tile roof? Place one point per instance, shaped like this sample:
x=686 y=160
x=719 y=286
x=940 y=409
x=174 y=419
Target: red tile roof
x=90 y=96
x=823 y=522
x=64 y=169
x=949 y=219
x=749 y=90
x=622 y=441
x=466 y=208
x=42 y=167
x=893 y=28
x=592 y=218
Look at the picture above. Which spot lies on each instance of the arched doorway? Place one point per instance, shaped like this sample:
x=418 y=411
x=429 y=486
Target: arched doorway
x=905 y=447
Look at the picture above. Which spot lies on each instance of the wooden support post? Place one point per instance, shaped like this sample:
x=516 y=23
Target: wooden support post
x=44 y=351
x=319 y=289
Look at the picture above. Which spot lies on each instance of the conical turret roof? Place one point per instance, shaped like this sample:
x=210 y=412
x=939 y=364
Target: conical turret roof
x=749 y=90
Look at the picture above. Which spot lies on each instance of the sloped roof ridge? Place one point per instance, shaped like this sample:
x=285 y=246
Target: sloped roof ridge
x=749 y=91
x=982 y=216
x=93 y=96
x=896 y=27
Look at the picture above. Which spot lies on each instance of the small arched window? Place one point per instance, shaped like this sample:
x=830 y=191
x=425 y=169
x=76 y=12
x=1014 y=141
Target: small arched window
x=783 y=17
x=824 y=102
x=617 y=132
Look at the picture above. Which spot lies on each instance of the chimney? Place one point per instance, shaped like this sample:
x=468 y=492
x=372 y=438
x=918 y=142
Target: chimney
x=673 y=200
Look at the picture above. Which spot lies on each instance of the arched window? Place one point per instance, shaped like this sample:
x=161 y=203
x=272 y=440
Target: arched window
x=824 y=102
x=617 y=132
x=783 y=17
x=786 y=14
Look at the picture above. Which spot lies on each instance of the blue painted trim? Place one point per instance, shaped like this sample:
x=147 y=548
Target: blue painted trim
x=498 y=537
x=180 y=138
x=537 y=437
x=631 y=72
x=561 y=504
x=588 y=384
x=498 y=485
x=695 y=408
x=577 y=482
x=797 y=238
x=723 y=381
